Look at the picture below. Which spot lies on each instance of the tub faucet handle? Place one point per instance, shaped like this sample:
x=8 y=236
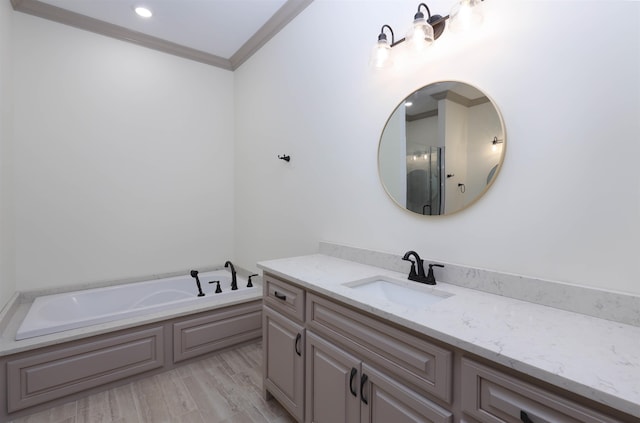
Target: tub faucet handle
x=218 y=289
x=250 y=284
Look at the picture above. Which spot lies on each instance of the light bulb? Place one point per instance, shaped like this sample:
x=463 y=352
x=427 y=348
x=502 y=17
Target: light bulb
x=381 y=55
x=420 y=34
x=143 y=12
x=466 y=15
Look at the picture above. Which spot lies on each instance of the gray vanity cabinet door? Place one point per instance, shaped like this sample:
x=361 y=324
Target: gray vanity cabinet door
x=384 y=400
x=283 y=352
x=333 y=383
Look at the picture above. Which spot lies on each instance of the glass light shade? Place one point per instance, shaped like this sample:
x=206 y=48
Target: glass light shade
x=420 y=34
x=466 y=15
x=381 y=55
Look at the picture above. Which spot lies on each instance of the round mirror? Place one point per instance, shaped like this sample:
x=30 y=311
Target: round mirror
x=441 y=148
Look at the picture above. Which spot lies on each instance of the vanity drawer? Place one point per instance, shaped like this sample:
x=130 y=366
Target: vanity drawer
x=494 y=397
x=415 y=361
x=284 y=297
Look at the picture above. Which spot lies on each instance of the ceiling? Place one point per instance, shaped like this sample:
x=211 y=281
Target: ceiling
x=221 y=33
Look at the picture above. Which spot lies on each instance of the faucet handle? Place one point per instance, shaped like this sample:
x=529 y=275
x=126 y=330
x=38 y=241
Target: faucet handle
x=431 y=279
x=250 y=284
x=218 y=289
x=412 y=273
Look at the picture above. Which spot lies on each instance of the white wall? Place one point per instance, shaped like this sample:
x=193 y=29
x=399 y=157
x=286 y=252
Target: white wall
x=484 y=125
x=455 y=132
x=570 y=100
x=7 y=244
x=123 y=156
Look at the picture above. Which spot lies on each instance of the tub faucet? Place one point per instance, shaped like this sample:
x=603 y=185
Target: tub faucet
x=418 y=276
x=234 y=281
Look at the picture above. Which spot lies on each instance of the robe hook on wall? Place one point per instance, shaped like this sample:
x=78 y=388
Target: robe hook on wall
x=285 y=157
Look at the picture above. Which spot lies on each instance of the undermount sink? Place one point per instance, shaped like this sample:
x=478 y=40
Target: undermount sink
x=406 y=293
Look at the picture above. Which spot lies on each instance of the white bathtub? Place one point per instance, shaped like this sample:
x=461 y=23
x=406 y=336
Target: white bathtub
x=72 y=310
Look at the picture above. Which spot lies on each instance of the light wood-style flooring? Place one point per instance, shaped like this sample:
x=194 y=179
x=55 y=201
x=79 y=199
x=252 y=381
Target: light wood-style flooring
x=223 y=388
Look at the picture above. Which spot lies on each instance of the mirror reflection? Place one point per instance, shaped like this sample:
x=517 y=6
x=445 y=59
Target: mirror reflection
x=441 y=148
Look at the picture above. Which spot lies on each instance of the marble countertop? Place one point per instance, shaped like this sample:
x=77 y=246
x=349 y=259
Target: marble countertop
x=595 y=358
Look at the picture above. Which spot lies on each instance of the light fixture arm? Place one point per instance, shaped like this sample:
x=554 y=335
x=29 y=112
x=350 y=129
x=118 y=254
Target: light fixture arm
x=383 y=36
x=420 y=15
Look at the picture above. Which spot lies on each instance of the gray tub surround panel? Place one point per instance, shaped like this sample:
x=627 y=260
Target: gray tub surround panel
x=54 y=373
x=215 y=331
x=610 y=305
x=587 y=357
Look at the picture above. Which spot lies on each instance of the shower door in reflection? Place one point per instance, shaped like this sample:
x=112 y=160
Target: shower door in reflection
x=424 y=181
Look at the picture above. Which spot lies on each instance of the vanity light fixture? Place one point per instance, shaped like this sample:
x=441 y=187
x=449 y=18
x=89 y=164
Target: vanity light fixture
x=423 y=32
x=143 y=11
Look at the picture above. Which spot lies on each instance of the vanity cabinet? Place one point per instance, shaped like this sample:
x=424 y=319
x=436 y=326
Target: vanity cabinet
x=341 y=388
x=327 y=362
x=283 y=344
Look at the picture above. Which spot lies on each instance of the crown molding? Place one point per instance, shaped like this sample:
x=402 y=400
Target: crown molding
x=460 y=99
x=279 y=20
x=423 y=115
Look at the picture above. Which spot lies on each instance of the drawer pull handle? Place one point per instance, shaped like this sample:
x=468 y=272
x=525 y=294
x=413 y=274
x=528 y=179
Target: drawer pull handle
x=280 y=296
x=354 y=372
x=524 y=417
x=363 y=380
x=298 y=339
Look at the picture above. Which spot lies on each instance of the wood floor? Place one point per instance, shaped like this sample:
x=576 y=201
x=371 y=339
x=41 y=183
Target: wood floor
x=224 y=388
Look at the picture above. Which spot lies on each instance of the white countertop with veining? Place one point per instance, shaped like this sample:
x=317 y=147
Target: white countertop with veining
x=596 y=358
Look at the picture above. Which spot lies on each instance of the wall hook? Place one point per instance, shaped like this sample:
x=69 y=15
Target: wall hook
x=285 y=157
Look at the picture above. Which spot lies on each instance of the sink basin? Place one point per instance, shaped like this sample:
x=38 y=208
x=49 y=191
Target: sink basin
x=406 y=293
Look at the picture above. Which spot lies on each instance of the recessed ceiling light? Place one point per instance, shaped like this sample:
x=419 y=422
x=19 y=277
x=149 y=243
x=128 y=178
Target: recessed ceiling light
x=143 y=11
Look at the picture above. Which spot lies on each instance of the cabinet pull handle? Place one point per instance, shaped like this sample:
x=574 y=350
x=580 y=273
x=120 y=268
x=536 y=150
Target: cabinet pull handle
x=298 y=338
x=363 y=380
x=354 y=372
x=280 y=296
x=524 y=417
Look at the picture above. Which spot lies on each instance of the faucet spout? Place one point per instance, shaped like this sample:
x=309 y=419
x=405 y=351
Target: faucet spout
x=414 y=275
x=234 y=281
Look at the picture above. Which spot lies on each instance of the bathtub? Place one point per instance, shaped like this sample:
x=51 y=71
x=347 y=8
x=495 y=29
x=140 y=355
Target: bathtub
x=71 y=310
